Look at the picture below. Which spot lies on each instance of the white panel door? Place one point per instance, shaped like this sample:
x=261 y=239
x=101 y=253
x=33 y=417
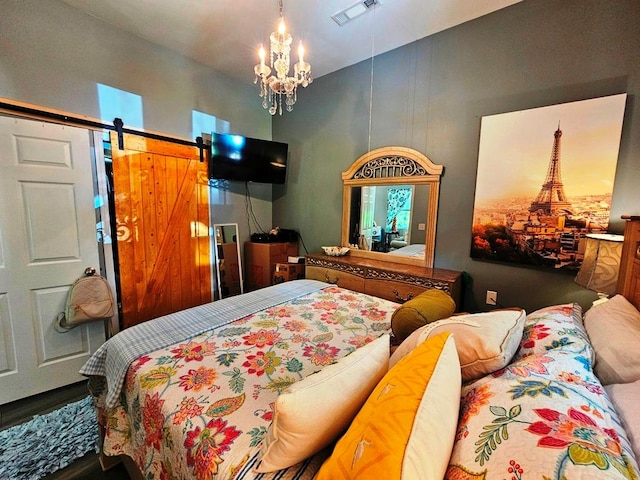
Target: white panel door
x=47 y=239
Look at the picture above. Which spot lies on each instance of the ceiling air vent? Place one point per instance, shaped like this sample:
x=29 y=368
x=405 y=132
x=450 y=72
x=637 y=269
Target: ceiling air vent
x=354 y=11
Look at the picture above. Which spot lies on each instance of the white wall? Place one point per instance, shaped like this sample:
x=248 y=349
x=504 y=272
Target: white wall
x=54 y=56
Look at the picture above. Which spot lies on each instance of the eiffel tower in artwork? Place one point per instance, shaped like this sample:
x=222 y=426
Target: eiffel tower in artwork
x=552 y=200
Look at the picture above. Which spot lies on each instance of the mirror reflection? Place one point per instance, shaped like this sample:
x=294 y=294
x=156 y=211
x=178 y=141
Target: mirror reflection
x=390 y=206
x=389 y=218
x=228 y=260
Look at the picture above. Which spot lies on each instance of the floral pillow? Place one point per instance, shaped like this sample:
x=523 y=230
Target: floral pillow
x=555 y=327
x=545 y=416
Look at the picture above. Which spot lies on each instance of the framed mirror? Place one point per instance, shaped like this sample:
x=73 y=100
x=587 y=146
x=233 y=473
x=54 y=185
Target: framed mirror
x=390 y=206
x=228 y=260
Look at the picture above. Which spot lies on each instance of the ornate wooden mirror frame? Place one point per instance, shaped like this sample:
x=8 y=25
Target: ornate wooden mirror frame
x=394 y=166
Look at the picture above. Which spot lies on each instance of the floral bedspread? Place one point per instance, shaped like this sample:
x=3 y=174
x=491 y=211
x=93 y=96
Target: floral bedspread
x=546 y=415
x=200 y=408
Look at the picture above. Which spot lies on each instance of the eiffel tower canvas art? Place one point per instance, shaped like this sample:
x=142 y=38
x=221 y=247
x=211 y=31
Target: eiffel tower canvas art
x=545 y=180
x=552 y=200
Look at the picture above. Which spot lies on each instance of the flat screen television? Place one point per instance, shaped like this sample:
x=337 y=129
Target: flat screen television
x=244 y=159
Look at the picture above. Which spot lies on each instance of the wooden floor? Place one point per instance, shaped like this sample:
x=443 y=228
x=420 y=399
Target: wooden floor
x=87 y=467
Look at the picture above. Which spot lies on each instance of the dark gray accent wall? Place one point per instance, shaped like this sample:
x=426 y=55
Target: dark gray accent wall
x=431 y=96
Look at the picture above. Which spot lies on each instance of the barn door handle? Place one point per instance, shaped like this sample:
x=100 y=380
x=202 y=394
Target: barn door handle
x=328 y=280
x=399 y=297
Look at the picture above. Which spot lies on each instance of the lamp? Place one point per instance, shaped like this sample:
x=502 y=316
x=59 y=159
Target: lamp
x=274 y=87
x=599 y=269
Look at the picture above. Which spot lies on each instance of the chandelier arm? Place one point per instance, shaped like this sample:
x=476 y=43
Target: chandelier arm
x=279 y=84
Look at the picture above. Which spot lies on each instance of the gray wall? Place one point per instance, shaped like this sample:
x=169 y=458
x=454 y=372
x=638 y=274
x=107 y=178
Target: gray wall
x=431 y=96
x=53 y=55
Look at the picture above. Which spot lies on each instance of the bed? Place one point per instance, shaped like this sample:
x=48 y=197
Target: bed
x=413 y=250
x=160 y=399
x=298 y=381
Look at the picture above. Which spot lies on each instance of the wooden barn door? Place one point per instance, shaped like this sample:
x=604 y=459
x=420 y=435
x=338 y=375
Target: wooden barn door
x=162 y=214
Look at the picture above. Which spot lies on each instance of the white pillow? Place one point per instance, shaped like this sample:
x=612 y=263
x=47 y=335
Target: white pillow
x=624 y=397
x=315 y=411
x=486 y=342
x=614 y=331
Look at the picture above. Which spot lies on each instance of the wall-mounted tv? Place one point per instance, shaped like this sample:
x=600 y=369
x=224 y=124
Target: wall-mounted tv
x=244 y=159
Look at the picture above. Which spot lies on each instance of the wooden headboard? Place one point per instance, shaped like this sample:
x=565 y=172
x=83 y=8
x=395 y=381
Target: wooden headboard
x=629 y=276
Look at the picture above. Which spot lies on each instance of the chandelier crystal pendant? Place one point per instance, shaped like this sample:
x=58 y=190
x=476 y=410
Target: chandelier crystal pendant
x=274 y=87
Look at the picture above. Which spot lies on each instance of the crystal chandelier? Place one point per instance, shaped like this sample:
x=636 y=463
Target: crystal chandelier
x=274 y=87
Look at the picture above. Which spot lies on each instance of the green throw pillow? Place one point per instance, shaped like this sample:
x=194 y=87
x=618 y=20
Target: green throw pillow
x=429 y=306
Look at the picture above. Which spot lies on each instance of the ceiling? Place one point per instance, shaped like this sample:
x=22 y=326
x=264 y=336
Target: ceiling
x=225 y=34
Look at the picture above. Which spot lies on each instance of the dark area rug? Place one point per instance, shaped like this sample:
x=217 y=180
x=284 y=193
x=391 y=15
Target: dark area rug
x=48 y=442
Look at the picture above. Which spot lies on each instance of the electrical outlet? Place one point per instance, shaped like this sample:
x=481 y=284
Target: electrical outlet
x=422 y=226
x=492 y=297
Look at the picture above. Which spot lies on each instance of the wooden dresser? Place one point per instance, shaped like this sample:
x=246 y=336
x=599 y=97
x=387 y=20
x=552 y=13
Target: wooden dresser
x=392 y=281
x=261 y=258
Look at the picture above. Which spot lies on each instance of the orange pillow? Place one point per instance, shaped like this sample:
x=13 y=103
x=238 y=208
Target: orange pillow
x=406 y=428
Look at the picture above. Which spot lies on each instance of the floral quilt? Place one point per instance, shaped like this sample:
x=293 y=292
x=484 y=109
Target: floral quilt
x=544 y=416
x=199 y=409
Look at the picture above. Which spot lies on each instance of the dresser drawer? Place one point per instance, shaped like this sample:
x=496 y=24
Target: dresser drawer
x=394 y=291
x=336 y=277
x=383 y=279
